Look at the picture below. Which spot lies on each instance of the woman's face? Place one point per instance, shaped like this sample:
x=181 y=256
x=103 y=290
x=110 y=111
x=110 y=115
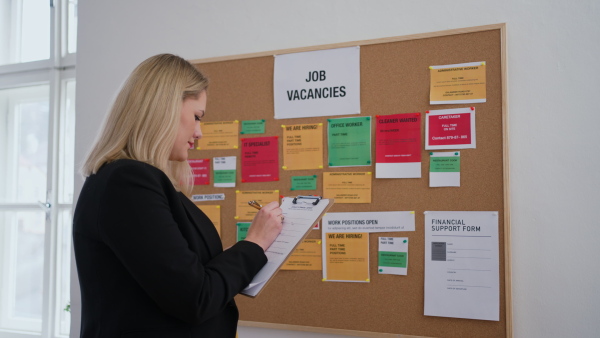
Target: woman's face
x=192 y=111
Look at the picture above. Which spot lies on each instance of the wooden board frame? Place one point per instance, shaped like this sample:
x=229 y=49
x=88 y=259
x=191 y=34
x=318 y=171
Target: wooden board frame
x=450 y=327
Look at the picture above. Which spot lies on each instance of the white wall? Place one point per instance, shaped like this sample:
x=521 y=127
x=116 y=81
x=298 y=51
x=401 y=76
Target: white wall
x=553 y=51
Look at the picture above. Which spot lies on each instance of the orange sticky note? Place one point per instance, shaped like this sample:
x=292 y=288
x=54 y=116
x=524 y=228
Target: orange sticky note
x=347 y=257
x=244 y=211
x=458 y=83
x=213 y=212
x=348 y=187
x=303 y=146
x=219 y=135
x=307 y=256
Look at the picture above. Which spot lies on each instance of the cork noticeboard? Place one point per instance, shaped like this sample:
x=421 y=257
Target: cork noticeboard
x=394 y=77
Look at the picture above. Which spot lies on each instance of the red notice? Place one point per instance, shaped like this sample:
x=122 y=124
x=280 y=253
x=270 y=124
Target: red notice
x=201 y=171
x=260 y=159
x=450 y=129
x=398 y=138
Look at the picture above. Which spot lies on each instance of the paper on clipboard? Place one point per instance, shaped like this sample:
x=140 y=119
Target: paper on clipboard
x=300 y=215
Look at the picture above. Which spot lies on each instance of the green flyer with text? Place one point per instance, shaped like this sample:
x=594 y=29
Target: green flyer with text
x=349 y=141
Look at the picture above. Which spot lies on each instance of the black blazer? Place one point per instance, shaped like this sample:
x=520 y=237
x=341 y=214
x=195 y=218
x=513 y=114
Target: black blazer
x=150 y=263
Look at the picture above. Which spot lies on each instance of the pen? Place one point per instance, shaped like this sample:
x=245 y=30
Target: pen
x=255 y=204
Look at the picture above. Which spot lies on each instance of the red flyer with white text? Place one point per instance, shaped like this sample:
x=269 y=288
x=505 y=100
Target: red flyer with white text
x=450 y=129
x=260 y=159
x=398 y=146
x=201 y=171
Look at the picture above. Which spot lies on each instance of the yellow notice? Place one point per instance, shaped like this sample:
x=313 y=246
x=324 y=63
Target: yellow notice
x=219 y=135
x=303 y=146
x=344 y=187
x=460 y=83
x=213 y=212
x=244 y=211
x=306 y=256
x=347 y=257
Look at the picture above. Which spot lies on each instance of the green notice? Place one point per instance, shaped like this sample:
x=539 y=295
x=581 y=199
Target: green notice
x=242 y=230
x=304 y=182
x=253 y=127
x=224 y=176
x=349 y=141
x=392 y=259
x=444 y=164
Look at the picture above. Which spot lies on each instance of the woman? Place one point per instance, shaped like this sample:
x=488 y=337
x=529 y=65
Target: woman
x=150 y=263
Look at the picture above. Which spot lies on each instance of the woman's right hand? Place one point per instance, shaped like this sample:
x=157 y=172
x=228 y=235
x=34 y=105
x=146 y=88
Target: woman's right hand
x=266 y=225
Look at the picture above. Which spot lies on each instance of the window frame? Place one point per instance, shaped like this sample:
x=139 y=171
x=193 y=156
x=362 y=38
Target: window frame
x=56 y=72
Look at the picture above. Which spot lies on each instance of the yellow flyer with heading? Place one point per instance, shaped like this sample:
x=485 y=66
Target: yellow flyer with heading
x=347 y=187
x=307 y=256
x=243 y=211
x=346 y=257
x=213 y=212
x=458 y=83
x=303 y=146
x=219 y=135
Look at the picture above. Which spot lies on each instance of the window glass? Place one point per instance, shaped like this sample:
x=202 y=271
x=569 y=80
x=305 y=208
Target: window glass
x=72 y=26
x=22 y=236
x=63 y=286
x=34 y=30
x=24 y=144
x=66 y=157
x=24 y=31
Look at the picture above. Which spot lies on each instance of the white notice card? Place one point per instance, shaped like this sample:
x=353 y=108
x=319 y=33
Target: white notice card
x=462 y=264
x=444 y=169
x=224 y=171
x=374 y=221
x=317 y=83
x=393 y=255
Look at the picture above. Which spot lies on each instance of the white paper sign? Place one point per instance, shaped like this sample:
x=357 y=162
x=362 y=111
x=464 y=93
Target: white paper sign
x=222 y=165
x=318 y=83
x=462 y=278
x=398 y=170
x=450 y=129
x=383 y=221
x=393 y=256
x=444 y=169
x=209 y=197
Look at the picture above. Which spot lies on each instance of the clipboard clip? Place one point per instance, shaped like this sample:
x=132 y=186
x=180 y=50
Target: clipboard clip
x=316 y=198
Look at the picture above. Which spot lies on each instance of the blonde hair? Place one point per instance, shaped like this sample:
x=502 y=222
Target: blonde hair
x=144 y=119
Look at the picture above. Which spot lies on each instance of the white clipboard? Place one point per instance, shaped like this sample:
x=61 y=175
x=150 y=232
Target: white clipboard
x=300 y=214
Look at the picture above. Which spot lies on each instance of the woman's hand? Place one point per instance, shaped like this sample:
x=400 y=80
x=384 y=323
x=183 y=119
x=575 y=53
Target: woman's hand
x=266 y=225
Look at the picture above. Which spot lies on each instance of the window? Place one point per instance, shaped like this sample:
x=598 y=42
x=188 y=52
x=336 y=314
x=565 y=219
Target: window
x=37 y=119
x=71 y=28
x=20 y=33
